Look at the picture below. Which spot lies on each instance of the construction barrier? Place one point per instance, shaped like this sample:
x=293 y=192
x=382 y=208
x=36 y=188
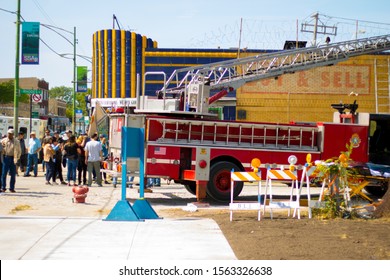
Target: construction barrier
x=289 y=175
x=285 y=175
x=305 y=180
x=254 y=176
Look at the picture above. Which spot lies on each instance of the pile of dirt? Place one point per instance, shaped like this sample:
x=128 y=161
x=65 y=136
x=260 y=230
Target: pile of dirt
x=285 y=238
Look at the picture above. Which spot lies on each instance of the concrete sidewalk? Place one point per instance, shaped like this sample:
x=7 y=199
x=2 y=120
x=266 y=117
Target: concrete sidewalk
x=41 y=222
x=56 y=238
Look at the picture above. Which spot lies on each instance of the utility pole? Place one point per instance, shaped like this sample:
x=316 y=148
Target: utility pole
x=17 y=64
x=239 y=40
x=317 y=28
x=74 y=82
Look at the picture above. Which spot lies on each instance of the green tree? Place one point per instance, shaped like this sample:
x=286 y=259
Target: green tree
x=66 y=94
x=7 y=93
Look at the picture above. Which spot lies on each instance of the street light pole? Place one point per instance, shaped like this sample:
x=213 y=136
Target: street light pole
x=74 y=82
x=17 y=64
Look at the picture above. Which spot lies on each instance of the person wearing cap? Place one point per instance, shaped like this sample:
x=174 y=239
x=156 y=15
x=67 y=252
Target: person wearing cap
x=11 y=154
x=34 y=146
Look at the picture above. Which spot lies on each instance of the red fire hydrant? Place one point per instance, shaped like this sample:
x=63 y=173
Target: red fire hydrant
x=80 y=193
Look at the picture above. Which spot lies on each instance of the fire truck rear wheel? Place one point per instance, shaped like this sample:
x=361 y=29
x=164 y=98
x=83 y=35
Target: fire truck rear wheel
x=191 y=187
x=378 y=191
x=218 y=187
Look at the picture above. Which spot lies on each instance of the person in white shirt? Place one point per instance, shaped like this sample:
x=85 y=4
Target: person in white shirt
x=93 y=157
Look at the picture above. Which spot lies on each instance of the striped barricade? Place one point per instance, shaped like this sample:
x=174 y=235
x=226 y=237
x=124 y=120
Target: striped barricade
x=254 y=205
x=284 y=175
x=305 y=180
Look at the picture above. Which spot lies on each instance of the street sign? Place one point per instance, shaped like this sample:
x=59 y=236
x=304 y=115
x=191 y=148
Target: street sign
x=35 y=115
x=30 y=91
x=37 y=98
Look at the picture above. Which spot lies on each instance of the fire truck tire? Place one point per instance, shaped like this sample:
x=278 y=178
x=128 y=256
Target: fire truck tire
x=378 y=191
x=218 y=187
x=190 y=187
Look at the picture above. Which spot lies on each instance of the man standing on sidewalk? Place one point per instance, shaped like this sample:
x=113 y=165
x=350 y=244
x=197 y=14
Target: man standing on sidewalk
x=11 y=153
x=22 y=163
x=34 y=145
x=93 y=156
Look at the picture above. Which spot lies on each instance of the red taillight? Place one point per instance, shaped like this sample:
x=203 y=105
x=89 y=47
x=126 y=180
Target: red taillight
x=202 y=163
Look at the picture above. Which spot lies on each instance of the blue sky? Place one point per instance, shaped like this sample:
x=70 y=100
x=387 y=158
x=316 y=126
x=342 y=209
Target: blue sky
x=179 y=24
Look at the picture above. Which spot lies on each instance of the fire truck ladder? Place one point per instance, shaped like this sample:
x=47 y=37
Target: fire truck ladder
x=231 y=74
x=382 y=85
x=266 y=136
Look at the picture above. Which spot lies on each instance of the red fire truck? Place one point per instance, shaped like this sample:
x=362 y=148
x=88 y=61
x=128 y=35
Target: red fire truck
x=184 y=143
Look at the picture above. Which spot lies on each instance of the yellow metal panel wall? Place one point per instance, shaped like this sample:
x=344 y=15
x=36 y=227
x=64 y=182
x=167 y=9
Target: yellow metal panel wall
x=105 y=93
x=123 y=63
x=99 y=93
x=113 y=77
x=94 y=66
x=133 y=65
x=308 y=95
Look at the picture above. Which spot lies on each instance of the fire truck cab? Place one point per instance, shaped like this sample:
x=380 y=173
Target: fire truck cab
x=377 y=167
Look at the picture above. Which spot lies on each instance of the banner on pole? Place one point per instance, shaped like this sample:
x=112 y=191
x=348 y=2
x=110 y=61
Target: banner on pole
x=82 y=78
x=30 y=43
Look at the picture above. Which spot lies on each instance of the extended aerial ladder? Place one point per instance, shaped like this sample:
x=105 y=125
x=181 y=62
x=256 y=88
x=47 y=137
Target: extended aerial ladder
x=194 y=84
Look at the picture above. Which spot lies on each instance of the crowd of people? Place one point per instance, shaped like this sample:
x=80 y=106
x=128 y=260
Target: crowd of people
x=82 y=156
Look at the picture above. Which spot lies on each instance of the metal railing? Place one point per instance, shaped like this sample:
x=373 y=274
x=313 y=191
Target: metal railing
x=236 y=72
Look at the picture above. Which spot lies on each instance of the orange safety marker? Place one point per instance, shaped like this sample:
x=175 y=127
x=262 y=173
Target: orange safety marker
x=285 y=175
x=241 y=176
x=281 y=175
x=245 y=176
x=308 y=169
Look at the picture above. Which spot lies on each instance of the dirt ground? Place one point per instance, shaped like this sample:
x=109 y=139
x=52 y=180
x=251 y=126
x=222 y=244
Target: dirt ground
x=284 y=238
x=277 y=239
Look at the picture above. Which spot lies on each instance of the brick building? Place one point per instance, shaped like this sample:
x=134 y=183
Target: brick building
x=41 y=108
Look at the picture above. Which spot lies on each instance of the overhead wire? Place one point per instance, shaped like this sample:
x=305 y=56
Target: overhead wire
x=351 y=19
x=8 y=11
x=42 y=10
x=52 y=28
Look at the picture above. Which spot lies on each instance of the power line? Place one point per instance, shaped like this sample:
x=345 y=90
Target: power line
x=42 y=10
x=50 y=48
x=8 y=11
x=351 y=19
x=52 y=28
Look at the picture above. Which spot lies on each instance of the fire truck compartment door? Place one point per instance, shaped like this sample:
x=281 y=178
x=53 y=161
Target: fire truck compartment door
x=202 y=154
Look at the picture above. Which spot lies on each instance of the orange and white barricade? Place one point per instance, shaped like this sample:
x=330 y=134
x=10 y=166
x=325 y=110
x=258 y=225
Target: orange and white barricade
x=283 y=175
x=254 y=176
x=308 y=169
